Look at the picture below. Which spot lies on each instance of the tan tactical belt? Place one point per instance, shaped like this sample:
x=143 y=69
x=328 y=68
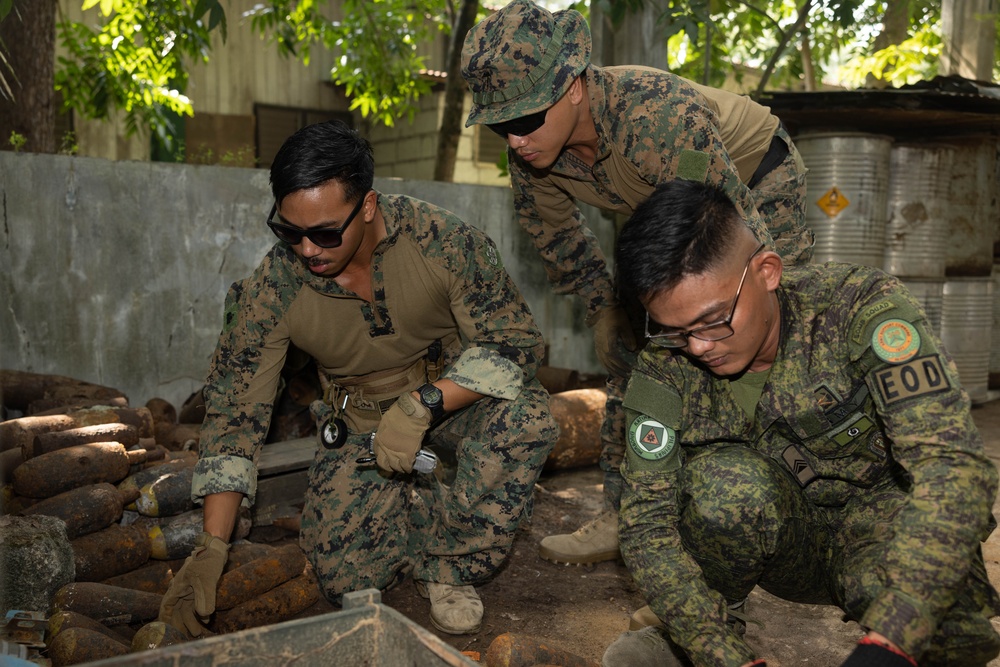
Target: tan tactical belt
x=365 y=398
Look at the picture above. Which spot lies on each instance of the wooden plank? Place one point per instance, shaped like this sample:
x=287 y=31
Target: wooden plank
x=277 y=495
x=287 y=456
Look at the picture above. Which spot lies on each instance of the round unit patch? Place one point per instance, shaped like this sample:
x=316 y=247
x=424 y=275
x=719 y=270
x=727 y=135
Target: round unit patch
x=895 y=341
x=650 y=439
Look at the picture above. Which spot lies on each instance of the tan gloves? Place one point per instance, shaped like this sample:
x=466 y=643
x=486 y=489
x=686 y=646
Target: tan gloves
x=612 y=333
x=192 y=590
x=400 y=434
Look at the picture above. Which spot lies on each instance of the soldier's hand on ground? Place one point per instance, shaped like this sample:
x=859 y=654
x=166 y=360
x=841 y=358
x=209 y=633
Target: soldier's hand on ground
x=400 y=434
x=612 y=338
x=191 y=595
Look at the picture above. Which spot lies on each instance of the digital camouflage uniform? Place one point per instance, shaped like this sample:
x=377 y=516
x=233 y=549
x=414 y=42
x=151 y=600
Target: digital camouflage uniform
x=652 y=126
x=859 y=481
x=433 y=278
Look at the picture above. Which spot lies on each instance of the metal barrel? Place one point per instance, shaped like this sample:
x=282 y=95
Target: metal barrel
x=916 y=228
x=966 y=324
x=929 y=292
x=846 y=209
x=972 y=210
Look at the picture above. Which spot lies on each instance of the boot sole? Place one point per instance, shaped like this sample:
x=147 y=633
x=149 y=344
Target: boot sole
x=564 y=559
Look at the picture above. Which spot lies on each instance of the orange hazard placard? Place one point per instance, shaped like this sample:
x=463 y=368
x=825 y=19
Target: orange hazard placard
x=833 y=202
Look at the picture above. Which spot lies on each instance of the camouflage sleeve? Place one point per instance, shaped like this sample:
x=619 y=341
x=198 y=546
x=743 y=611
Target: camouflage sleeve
x=505 y=347
x=570 y=253
x=927 y=421
x=677 y=135
x=242 y=384
x=669 y=578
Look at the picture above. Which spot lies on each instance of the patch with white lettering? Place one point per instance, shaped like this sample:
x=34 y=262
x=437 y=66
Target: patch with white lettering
x=895 y=341
x=865 y=316
x=919 y=377
x=650 y=439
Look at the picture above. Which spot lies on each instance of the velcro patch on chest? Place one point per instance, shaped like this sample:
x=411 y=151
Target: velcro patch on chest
x=799 y=465
x=650 y=439
x=918 y=377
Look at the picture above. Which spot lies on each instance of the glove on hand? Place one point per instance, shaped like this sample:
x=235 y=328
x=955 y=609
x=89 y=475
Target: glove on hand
x=612 y=337
x=871 y=654
x=400 y=434
x=192 y=590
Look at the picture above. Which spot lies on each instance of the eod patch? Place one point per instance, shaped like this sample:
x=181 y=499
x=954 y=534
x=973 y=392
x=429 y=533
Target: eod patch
x=650 y=439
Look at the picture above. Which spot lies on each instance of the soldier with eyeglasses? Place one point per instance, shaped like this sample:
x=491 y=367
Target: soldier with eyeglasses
x=422 y=342
x=800 y=429
x=606 y=136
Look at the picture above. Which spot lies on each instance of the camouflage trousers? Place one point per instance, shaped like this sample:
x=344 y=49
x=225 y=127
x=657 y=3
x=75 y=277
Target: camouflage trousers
x=746 y=522
x=365 y=528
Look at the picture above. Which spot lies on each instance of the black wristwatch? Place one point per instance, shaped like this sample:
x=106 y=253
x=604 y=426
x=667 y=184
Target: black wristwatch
x=433 y=400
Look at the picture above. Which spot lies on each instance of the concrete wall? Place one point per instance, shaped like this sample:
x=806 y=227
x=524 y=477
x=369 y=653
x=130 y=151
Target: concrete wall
x=115 y=272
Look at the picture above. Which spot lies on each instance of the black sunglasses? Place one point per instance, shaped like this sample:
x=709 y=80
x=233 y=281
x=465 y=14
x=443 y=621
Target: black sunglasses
x=324 y=237
x=520 y=127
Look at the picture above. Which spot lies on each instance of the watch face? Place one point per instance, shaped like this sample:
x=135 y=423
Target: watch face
x=430 y=395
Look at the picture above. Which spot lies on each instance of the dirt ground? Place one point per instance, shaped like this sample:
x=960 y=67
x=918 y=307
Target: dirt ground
x=581 y=609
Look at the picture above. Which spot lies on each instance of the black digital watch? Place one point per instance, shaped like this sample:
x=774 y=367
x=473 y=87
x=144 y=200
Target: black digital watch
x=432 y=399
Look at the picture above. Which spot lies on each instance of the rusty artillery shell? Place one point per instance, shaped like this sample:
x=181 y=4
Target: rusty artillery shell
x=162 y=411
x=176 y=436
x=137 y=480
x=84 y=509
x=75 y=645
x=242 y=553
x=19 y=388
x=64 y=469
x=17 y=433
x=110 y=605
x=189 y=456
x=110 y=552
x=153 y=577
x=156 y=635
x=510 y=650
x=9 y=460
x=64 y=620
x=175 y=538
x=114 y=432
x=259 y=576
x=167 y=495
x=141 y=418
x=579 y=414
x=278 y=604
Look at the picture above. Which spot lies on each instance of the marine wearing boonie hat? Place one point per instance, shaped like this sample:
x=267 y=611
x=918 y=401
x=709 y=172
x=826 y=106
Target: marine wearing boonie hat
x=521 y=60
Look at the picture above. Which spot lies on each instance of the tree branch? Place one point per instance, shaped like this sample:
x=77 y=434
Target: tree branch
x=782 y=45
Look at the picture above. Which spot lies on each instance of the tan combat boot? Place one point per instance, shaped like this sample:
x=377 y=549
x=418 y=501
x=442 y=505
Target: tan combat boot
x=594 y=542
x=456 y=610
x=644 y=618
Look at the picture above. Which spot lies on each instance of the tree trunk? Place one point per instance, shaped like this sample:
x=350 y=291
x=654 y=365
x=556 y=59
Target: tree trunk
x=29 y=33
x=808 y=71
x=454 y=94
x=896 y=25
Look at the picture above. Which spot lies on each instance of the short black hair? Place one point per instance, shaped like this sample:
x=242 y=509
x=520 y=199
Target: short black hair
x=323 y=152
x=684 y=228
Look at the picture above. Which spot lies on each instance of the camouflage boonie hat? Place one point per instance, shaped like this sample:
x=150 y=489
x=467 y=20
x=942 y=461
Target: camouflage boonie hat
x=522 y=59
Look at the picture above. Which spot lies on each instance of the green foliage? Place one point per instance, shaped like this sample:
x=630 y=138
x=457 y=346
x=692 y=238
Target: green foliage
x=68 y=144
x=710 y=40
x=375 y=43
x=17 y=141
x=133 y=62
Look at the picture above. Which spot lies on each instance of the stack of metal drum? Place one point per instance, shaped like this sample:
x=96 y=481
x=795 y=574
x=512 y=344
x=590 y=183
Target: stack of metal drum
x=927 y=212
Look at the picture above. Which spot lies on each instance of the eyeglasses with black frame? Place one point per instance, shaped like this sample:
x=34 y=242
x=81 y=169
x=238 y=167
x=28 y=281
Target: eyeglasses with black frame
x=520 y=127
x=324 y=237
x=710 y=332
